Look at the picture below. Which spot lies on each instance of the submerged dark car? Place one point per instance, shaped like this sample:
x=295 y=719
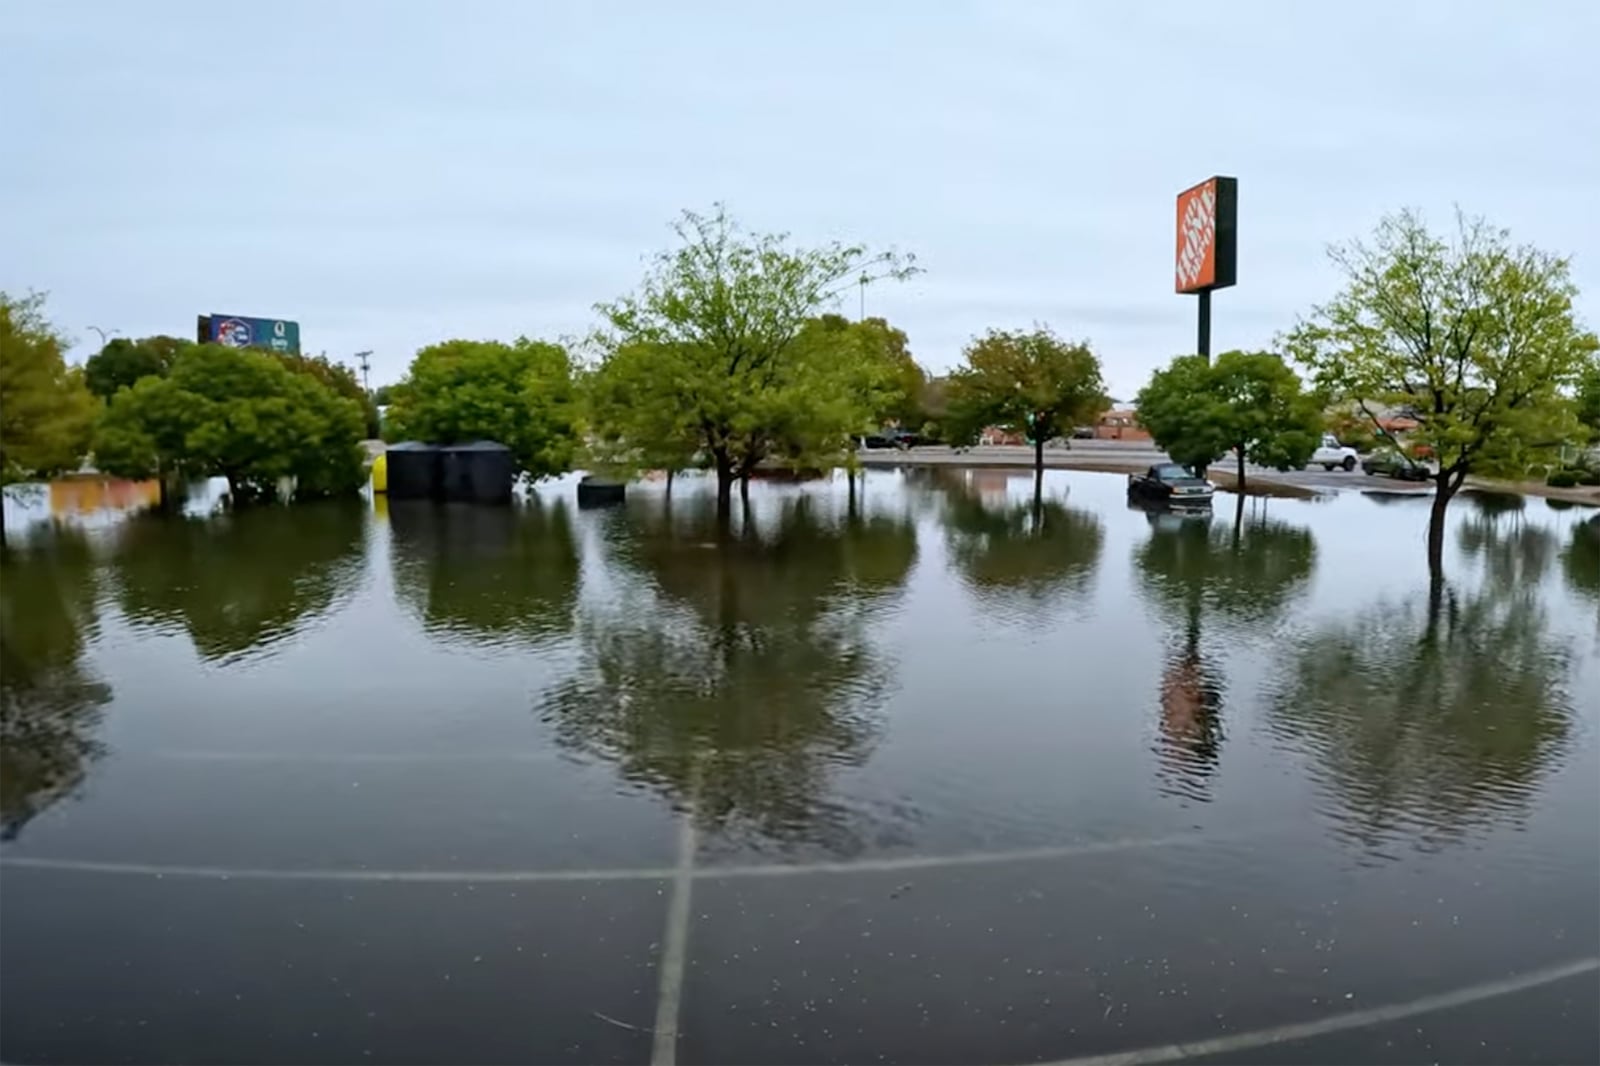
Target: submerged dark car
x=1390 y=462
x=1171 y=483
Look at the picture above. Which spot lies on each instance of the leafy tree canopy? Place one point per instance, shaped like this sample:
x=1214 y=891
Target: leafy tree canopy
x=1250 y=401
x=238 y=414
x=1031 y=381
x=338 y=379
x=520 y=395
x=123 y=361
x=1474 y=335
x=46 y=413
x=723 y=316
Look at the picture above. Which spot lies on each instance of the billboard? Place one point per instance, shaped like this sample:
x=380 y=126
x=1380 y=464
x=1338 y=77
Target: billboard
x=1207 y=235
x=238 y=331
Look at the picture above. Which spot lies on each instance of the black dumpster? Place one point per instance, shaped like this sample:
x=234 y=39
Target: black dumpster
x=478 y=472
x=599 y=492
x=413 y=470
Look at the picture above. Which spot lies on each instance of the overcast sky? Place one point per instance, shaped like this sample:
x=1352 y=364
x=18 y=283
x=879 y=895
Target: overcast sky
x=393 y=174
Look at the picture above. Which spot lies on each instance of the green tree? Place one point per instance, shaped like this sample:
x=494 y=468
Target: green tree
x=520 y=395
x=49 y=701
x=122 y=362
x=724 y=311
x=242 y=415
x=1030 y=381
x=241 y=582
x=337 y=379
x=636 y=425
x=1249 y=403
x=900 y=382
x=383 y=395
x=1588 y=397
x=46 y=413
x=1475 y=335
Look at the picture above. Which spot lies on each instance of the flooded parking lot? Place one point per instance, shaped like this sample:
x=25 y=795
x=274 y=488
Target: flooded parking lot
x=919 y=770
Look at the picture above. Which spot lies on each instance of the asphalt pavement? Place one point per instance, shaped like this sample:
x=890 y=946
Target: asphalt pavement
x=1112 y=455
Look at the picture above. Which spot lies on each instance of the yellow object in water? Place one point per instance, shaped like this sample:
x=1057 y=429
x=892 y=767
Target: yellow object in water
x=380 y=473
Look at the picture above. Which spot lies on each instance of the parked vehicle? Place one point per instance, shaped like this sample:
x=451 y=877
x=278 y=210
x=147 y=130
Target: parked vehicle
x=891 y=438
x=1171 y=483
x=1083 y=433
x=1392 y=462
x=1331 y=454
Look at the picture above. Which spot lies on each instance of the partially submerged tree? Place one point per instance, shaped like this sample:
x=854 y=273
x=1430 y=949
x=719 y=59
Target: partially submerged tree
x=723 y=314
x=1473 y=334
x=237 y=414
x=1249 y=403
x=46 y=413
x=1031 y=381
x=518 y=394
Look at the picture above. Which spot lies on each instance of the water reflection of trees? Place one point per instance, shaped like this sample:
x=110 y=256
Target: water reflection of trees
x=1240 y=575
x=1017 y=555
x=739 y=668
x=486 y=574
x=1426 y=719
x=1514 y=552
x=1581 y=559
x=241 y=581
x=49 y=703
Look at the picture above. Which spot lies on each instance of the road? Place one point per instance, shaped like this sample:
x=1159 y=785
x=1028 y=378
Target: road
x=1112 y=455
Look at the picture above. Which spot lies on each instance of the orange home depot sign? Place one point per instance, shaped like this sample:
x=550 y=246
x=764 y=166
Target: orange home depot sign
x=1207 y=233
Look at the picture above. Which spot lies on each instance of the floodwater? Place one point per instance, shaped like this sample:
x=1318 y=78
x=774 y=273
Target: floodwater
x=919 y=773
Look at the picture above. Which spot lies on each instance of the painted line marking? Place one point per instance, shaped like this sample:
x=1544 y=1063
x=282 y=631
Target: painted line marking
x=1360 y=1019
x=644 y=873
x=223 y=873
x=675 y=941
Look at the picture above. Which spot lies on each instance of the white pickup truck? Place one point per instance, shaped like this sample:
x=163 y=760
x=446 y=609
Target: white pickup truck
x=1332 y=454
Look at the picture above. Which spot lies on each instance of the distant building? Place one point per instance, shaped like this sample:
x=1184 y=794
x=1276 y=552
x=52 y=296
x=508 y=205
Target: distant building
x=1121 y=422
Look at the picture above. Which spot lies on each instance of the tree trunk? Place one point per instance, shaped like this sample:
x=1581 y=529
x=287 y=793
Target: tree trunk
x=744 y=489
x=1441 y=501
x=1238 y=518
x=669 y=482
x=1038 y=462
x=724 y=485
x=1240 y=486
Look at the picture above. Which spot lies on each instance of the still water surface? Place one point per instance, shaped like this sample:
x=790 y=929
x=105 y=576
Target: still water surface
x=921 y=772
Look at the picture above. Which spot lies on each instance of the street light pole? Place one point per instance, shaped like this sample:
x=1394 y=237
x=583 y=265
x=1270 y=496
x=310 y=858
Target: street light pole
x=105 y=334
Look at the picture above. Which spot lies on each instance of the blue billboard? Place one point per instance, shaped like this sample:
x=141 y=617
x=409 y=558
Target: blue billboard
x=239 y=331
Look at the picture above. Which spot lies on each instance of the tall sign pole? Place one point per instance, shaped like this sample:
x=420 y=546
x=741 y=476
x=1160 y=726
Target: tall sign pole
x=1207 y=248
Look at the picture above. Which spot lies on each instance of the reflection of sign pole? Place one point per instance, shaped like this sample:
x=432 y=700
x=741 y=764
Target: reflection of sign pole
x=1207 y=254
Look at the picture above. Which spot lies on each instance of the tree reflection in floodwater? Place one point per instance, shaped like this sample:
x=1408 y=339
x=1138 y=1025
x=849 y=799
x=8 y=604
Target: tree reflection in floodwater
x=1581 y=559
x=1426 y=719
x=241 y=581
x=486 y=575
x=1019 y=556
x=49 y=703
x=1197 y=571
x=735 y=671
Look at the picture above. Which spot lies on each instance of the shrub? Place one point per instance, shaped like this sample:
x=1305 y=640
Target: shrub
x=1562 y=479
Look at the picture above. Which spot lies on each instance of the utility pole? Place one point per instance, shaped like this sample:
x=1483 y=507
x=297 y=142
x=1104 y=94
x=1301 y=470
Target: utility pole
x=862 y=316
x=363 y=356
